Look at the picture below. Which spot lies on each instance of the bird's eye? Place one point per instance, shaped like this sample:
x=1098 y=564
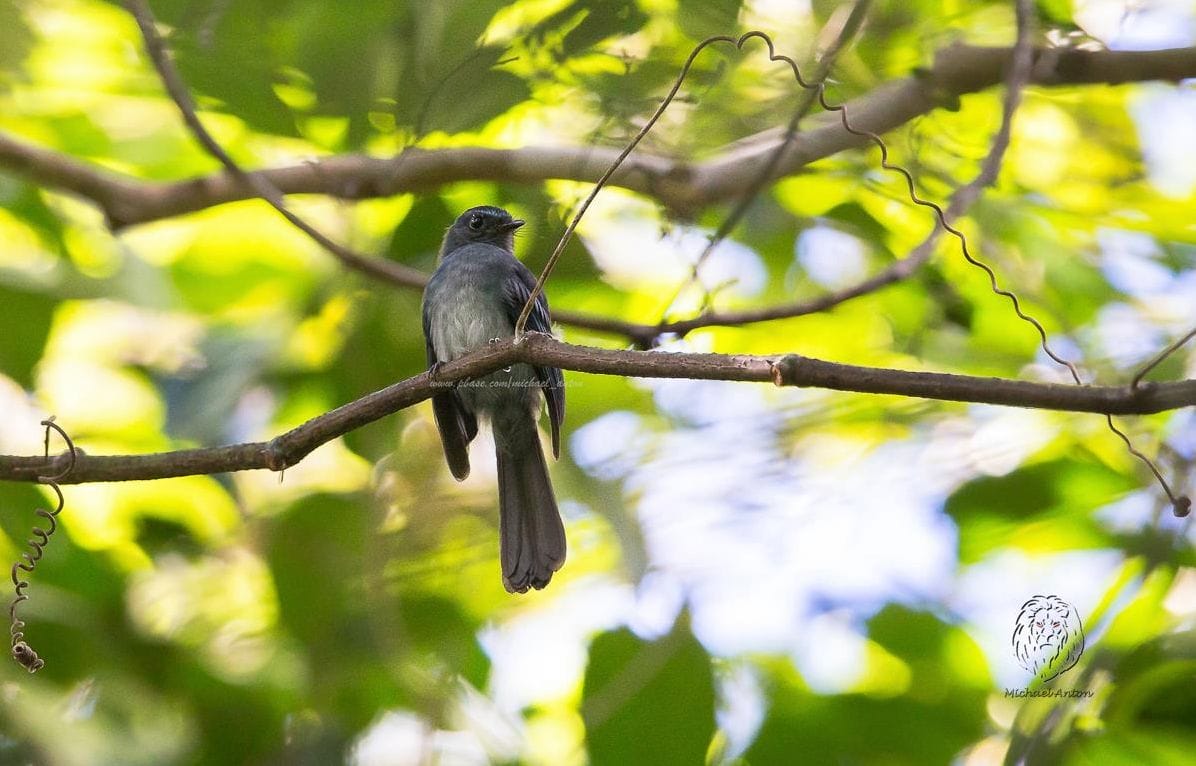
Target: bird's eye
x=475 y=222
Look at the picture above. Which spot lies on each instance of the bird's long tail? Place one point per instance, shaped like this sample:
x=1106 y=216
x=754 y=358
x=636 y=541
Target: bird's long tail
x=530 y=529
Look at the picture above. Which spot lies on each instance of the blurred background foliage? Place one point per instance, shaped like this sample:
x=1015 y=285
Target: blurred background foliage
x=755 y=576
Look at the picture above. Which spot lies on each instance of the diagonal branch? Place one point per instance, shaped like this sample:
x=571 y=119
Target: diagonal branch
x=1019 y=74
x=847 y=30
x=784 y=370
x=259 y=184
x=1160 y=357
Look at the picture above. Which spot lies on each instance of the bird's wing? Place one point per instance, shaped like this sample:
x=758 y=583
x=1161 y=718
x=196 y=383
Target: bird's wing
x=456 y=424
x=518 y=289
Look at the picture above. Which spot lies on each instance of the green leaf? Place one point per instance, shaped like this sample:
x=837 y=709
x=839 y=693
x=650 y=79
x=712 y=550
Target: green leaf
x=941 y=713
x=700 y=19
x=224 y=52
x=416 y=240
x=27 y=318
x=648 y=702
x=321 y=550
x=466 y=96
x=1040 y=507
x=1156 y=745
x=1056 y=12
x=587 y=23
x=16 y=40
x=437 y=627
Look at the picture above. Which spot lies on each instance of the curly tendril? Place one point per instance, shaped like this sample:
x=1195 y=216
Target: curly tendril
x=22 y=652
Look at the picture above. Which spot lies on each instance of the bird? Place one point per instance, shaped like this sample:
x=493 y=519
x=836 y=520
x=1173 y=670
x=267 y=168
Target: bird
x=473 y=299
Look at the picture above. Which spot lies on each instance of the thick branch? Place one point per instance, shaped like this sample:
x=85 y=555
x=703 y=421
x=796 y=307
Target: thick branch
x=957 y=70
x=790 y=370
x=683 y=186
x=118 y=196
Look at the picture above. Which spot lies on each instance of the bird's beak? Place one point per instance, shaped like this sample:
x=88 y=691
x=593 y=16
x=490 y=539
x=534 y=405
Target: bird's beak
x=512 y=225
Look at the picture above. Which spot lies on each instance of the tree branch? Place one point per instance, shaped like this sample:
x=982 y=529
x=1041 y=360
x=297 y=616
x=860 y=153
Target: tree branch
x=784 y=370
x=116 y=194
x=957 y=70
x=683 y=186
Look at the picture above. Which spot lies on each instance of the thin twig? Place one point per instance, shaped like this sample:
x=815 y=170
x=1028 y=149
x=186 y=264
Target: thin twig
x=1181 y=505
x=963 y=198
x=1021 y=70
x=768 y=170
x=1159 y=357
x=610 y=171
x=1021 y=66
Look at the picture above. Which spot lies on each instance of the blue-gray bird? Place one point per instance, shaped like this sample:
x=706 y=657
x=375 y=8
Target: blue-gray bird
x=474 y=297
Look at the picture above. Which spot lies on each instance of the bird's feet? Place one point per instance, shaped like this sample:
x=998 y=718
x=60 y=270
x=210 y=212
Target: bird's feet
x=495 y=342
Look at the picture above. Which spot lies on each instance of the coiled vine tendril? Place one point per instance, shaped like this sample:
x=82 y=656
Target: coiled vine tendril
x=22 y=652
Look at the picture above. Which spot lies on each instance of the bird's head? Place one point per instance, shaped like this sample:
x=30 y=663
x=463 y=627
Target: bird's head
x=486 y=224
